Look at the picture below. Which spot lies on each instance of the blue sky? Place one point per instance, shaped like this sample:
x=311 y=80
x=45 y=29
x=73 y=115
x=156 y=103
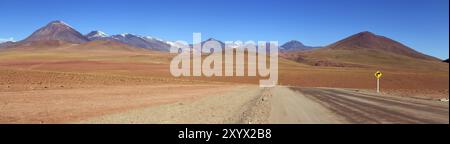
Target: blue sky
x=420 y=24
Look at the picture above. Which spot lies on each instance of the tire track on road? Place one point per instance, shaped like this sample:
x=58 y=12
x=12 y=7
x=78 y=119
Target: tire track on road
x=362 y=109
x=409 y=105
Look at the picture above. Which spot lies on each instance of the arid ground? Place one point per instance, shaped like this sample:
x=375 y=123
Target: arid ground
x=69 y=85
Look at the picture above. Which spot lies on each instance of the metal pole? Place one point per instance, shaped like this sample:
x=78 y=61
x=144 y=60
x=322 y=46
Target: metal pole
x=378 y=85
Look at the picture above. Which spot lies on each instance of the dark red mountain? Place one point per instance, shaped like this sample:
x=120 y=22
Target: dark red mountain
x=57 y=30
x=368 y=40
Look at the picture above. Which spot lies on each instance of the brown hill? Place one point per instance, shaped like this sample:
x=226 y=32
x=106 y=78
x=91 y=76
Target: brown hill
x=367 y=50
x=368 y=40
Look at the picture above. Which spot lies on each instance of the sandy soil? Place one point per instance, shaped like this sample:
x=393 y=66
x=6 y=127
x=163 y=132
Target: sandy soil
x=250 y=104
x=68 y=105
x=432 y=85
x=218 y=107
x=53 y=69
x=214 y=103
x=116 y=87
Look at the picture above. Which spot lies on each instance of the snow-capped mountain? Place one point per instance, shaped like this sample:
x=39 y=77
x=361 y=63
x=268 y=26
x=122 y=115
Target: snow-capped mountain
x=147 y=42
x=142 y=41
x=222 y=44
x=57 y=30
x=96 y=35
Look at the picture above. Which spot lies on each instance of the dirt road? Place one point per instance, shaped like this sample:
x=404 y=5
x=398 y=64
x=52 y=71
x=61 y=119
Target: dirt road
x=69 y=105
x=324 y=105
x=287 y=105
x=220 y=103
x=218 y=107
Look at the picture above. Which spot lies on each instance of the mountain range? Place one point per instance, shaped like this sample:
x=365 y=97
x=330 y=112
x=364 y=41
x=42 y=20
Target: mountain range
x=133 y=40
x=364 y=44
x=60 y=31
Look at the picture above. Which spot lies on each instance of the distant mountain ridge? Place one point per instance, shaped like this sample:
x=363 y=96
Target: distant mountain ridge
x=60 y=31
x=6 y=44
x=133 y=40
x=57 y=33
x=142 y=41
x=295 y=45
x=96 y=35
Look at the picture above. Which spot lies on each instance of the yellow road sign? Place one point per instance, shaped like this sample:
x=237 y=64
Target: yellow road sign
x=378 y=74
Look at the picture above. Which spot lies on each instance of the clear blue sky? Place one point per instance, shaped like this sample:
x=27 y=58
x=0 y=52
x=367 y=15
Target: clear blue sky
x=420 y=24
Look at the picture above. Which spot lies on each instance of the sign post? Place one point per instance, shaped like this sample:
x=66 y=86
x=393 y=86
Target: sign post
x=378 y=75
x=378 y=85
